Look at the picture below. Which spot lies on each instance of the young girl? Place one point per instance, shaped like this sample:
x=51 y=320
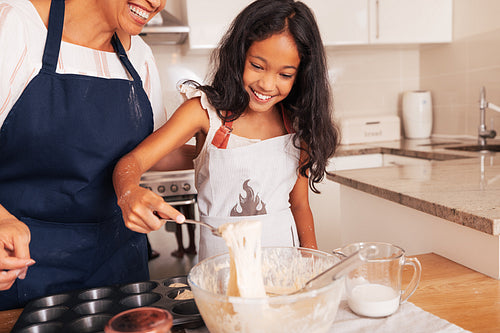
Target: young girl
x=263 y=128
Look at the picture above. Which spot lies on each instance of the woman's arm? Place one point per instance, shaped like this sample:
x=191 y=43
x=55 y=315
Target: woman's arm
x=299 y=202
x=141 y=207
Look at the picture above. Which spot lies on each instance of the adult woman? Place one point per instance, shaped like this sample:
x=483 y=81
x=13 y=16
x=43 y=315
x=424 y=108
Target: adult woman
x=71 y=104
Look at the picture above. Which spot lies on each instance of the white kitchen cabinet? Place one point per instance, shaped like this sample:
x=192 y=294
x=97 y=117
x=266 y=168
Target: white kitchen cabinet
x=208 y=20
x=369 y=218
x=362 y=22
x=326 y=206
x=410 y=21
x=341 y=22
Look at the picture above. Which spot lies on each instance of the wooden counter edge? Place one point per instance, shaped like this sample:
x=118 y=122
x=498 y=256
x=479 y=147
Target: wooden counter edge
x=448 y=290
x=8 y=319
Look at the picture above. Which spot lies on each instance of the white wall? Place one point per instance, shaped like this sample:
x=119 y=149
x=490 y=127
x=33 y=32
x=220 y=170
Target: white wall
x=472 y=17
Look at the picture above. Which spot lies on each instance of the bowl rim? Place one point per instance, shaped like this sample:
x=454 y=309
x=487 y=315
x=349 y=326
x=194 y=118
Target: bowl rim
x=281 y=299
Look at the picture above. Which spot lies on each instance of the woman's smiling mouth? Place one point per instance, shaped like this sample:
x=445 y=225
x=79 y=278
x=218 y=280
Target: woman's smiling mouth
x=141 y=13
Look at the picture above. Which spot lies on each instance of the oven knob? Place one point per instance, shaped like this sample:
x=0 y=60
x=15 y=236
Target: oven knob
x=186 y=187
x=174 y=188
x=161 y=189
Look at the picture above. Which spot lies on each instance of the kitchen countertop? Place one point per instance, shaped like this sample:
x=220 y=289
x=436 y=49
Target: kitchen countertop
x=462 y=187
x=448 y=290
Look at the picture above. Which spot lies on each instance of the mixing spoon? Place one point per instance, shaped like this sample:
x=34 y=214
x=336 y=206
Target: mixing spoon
x=335 y=272
x=215 y=231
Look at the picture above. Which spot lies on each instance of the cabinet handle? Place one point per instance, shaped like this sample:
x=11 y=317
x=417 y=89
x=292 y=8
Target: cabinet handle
x=377 y=22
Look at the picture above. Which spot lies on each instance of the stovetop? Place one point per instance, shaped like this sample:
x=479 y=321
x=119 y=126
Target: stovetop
x=169 y=183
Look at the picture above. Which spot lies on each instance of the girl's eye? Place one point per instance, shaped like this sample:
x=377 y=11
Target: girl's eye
x=287 y=76
x=256 y=66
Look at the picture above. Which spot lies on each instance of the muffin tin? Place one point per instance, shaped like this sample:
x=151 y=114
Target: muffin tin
x=89 y=310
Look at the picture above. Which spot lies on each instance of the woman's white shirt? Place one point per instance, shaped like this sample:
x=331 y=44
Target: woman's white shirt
x=22 y=42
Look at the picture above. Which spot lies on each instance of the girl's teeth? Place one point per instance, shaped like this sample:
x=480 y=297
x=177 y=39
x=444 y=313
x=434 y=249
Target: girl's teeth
x=264 y=97
x=139 y=12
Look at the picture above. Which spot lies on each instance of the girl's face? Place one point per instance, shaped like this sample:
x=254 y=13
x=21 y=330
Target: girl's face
x=271 y=66
x=132 y=15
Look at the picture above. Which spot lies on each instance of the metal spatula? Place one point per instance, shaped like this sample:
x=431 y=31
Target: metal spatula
x=215 y=231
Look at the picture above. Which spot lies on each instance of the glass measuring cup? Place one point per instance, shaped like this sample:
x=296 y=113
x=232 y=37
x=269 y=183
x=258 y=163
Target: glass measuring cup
x=375 y=288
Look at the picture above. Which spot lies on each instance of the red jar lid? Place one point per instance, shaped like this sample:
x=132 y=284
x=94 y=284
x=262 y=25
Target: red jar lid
x=141 y=320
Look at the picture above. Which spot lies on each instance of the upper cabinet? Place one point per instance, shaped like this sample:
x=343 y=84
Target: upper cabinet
x=208 y=20
x=341 y=22
x=410 y=21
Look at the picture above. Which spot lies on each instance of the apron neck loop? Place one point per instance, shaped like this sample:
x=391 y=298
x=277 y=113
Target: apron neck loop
x=118 y=47
x=54 y=34
x=54 y=37
x=286 y=121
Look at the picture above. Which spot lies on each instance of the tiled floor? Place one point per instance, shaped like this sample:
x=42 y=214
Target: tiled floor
x=166 y=265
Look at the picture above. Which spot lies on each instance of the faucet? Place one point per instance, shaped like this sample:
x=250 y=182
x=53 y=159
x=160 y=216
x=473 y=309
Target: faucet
x=484 y=133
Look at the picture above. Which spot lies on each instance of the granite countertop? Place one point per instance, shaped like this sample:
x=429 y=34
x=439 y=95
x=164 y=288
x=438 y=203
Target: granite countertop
x=462 y=187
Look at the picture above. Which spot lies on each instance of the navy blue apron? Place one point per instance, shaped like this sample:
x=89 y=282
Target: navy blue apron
x=58 y=147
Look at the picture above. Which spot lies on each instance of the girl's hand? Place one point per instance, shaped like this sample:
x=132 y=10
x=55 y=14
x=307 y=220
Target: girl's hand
x=142 y=210
x=15 y=258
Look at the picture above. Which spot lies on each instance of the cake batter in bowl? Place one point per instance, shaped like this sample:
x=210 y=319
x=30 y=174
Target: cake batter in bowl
x=284 y=269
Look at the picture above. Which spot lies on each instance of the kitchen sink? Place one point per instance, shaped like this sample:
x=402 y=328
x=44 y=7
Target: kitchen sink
x=477 y=148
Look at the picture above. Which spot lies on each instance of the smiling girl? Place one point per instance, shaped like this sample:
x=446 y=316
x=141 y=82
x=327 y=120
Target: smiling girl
x=263 y=127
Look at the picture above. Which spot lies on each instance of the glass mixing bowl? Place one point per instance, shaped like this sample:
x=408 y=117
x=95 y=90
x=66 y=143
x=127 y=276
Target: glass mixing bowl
x=284 y=268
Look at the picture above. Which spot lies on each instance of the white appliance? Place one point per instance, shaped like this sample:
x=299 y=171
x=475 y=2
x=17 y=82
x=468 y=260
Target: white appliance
x=370 y=129
x=417 y=114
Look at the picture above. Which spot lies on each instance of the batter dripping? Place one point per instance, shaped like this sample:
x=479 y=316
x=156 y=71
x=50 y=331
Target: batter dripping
x=243 y=239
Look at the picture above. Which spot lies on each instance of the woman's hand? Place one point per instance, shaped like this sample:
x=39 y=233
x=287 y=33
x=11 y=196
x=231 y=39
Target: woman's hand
x=15 y=258
x=142 y=210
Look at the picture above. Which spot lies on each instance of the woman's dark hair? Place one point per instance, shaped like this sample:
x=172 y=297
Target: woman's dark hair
x=308 y=104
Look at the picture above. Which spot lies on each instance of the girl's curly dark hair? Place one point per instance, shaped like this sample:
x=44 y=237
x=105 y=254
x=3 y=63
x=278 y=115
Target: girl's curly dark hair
x=308 y=104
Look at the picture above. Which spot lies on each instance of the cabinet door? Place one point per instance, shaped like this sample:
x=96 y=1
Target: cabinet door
x=410 y=21
x=341 y=22
x=208 y=20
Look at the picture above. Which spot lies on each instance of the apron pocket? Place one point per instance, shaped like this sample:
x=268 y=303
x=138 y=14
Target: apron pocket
x=64 y=254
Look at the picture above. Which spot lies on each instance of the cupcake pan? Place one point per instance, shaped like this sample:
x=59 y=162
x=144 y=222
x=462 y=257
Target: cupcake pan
x=89 y=310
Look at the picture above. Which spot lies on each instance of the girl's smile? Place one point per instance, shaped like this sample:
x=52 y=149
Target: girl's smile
x=262 y=97
x=271 y=66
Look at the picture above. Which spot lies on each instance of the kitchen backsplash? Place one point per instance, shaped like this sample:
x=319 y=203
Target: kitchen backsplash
x=455 y=73
x=366 y=81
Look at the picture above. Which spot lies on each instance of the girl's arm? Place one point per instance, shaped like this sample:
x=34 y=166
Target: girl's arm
x=140 y=206
x=299 y=202
x=180 y=159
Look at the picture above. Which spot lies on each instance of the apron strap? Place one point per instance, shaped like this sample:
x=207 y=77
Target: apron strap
x=54 y=34
x=117 y=45
x=286 y=121
x=54 y=37
x=221 y=137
